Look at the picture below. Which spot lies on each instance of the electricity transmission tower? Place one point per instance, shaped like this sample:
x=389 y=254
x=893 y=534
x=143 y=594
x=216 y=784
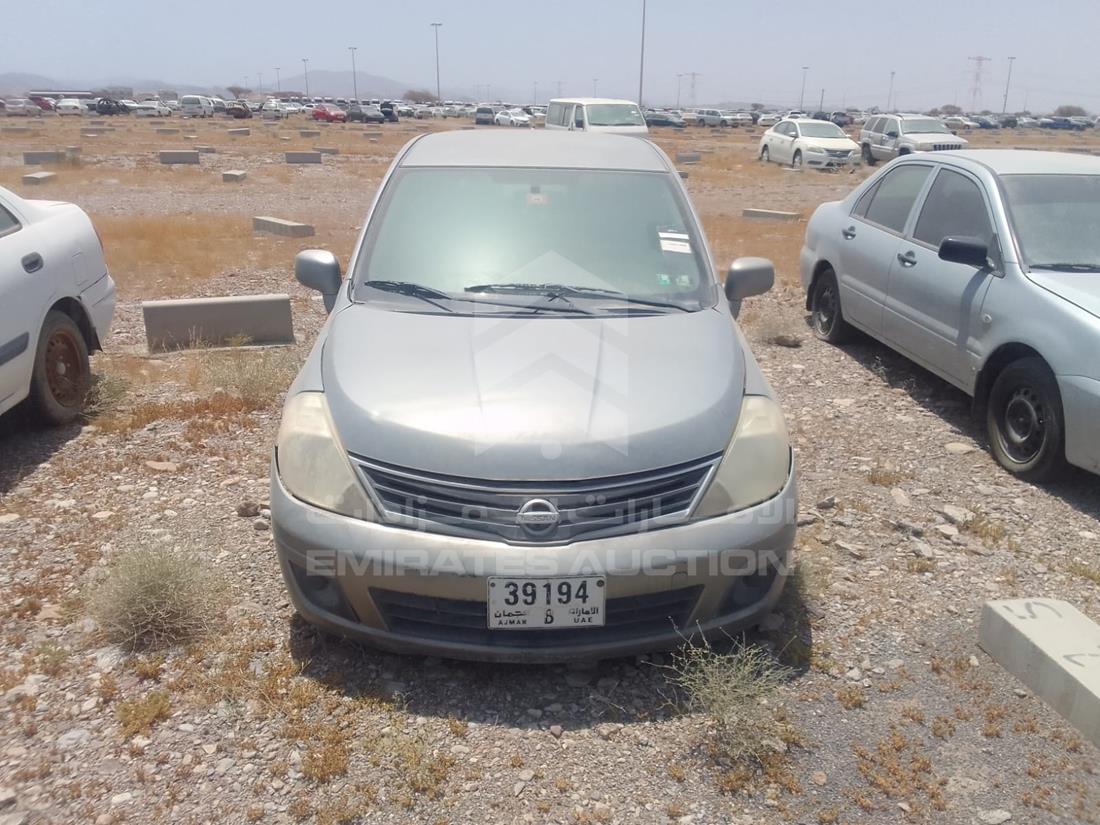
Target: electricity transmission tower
x=976 y=89
x=693 y=75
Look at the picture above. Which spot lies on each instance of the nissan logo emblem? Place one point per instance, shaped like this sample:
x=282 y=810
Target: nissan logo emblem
x=538 y=516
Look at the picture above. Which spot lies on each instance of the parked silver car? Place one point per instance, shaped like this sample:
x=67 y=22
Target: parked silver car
x=886 y=137
x=984 y=267
x=531 y=427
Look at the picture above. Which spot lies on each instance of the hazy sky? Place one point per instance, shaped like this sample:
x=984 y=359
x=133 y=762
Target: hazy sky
x=742 y=51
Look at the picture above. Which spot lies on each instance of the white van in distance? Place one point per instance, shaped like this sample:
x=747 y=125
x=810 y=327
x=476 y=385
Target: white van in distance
x=196 y=106
x=596 y=114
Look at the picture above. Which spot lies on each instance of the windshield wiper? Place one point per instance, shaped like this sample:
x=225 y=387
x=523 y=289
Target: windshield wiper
x=552 y=292
x=1068 y=267
x=562 y=290
x=424 y=293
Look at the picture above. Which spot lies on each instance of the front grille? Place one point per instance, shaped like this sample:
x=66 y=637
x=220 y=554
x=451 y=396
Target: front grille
x=590 y=507
x=465 y=622
x=838 y=153
x=945 y=147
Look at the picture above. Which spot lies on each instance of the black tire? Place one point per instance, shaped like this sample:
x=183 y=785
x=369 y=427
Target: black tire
x=1024 y=421
x=868 y=158
x=826 y=316
x=764 y=154
x=62 y=375
x=796 y=159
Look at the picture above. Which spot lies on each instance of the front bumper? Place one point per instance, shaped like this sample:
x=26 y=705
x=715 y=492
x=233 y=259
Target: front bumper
x=1081 y=410
x=817 y=161
x=411 y=591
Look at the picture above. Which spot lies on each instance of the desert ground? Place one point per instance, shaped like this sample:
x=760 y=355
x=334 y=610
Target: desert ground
x=888 y=711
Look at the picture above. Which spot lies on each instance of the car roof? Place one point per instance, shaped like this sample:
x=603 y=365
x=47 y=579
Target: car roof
x=536 y=149
x=590 y=100
x=1026 y=162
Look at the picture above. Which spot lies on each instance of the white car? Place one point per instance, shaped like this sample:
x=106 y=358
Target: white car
x=512 y=117
x=815 y=143
x=151 y=108
x=293 y=108
x=196 y=106
x=57 y=301
x=69 y=106
x=768 y=119
x=959 y=122
x=273 y=110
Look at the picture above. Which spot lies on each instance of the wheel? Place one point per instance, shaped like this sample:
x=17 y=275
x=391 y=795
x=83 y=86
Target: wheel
x=61 y=375
x=868 y=158
x=1024 y=421
x=825 y=313
x=796 y=159
x=764 y=154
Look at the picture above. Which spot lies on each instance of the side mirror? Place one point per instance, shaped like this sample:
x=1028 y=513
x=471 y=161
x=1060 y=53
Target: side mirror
x=892 y=135
x=318 y=269
x=969 y=251
x=748 y=277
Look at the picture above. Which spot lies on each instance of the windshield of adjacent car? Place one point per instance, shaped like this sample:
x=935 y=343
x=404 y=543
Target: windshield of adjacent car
x=924 y=125
x=614 y=114
x=820 y=129
x=1055 y=219
x=616 y=232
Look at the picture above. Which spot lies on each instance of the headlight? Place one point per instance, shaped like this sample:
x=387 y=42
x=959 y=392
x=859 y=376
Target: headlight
x=756 y=463
x=819 y=149
x=312 y=462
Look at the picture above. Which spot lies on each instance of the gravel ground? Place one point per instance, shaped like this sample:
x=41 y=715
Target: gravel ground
x=908 y=526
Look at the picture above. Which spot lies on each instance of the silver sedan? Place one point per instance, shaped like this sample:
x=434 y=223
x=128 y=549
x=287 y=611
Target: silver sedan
x=983 y=267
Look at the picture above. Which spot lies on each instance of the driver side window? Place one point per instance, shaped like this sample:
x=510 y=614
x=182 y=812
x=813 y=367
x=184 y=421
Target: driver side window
x=954 y=208
x=578 y=117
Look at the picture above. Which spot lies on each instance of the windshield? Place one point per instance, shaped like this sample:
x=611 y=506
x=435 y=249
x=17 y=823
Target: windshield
x=1055 y=218
x=820 y=129
x=614 y=114
x=615 y=232
x=928 y=125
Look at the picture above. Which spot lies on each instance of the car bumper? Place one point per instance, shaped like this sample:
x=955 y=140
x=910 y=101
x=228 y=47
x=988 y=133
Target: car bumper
x=1081 y=410
x=99 y=299
x=411 y=591
x=827 y=161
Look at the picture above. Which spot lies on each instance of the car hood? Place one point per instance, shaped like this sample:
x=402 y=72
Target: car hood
x=544 y=398
x=934 y=137
x=1080 y=288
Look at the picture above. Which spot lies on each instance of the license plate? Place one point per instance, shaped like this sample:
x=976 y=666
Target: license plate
x=546 y=603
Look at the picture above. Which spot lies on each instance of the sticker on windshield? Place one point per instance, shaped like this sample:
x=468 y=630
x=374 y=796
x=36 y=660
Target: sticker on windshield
x=674 y=242
x=663 y=279
x=537 y=199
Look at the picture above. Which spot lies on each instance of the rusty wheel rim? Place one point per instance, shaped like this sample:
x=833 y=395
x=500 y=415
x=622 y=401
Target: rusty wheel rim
x=65 y=369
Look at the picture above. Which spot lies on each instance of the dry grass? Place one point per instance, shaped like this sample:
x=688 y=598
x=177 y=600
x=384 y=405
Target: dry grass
x=851 y=697
x=987 y=529
x=772 y=324
x=885 y=475
x=328 y=757
x=733 y=690
x=139 y=715
x=1089 y=572
x=898 y=768
x=153 y=598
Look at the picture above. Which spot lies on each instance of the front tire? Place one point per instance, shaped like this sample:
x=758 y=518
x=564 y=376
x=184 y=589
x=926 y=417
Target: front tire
x=764 y=154
x=62 y=375
x=826 y=316
x=796 y=159
x=1024 y=421
x=868 y=158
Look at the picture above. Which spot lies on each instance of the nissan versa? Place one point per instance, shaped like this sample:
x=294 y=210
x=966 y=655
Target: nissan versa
x=531 y=428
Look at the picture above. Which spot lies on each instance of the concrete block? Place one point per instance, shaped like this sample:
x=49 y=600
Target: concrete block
x=179 y=156
x=278 y=226
x=233 y=176
x=683 y=174
x=1054 y=649
x=309 y=132
x=303 y=157
x=770 y=214
x=241 y=132
x=167 y=130
x=326 y=150
x=40 y=157
x=36 y=178
x=90 y=133
x=205 y=150
x=688 y=157
x=16 y=130
x=176 y=324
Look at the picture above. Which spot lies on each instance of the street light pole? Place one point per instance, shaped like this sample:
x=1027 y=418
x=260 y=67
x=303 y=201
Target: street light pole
x=536 y=100
x=821 y=103
x=438 y=93
x=278 y=82
x=641 y=65
x=802 y=97
x=261 y=76
x=1004 y=105
x=595 y=80
x=305 y=68
x=890 y=96
x=679 y=81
